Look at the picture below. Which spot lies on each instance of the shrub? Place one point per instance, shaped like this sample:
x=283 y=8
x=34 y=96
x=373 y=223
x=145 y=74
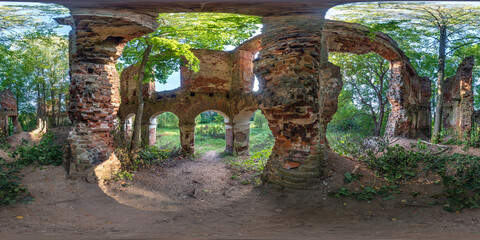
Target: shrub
x=259 y=120
x=211 y=130
x=356 y=146
x=10 y=188
x=459 y=174
x=43 y=153
x=151 y=155
x=167 y=119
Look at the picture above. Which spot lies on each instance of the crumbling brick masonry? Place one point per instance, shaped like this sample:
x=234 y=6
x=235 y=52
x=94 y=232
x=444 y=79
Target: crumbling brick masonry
x=8 y=111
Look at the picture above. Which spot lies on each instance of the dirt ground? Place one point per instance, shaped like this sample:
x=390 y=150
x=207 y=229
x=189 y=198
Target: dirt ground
x=199 y=200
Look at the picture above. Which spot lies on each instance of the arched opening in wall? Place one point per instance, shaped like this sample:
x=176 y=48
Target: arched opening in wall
x=256 y=83
x=261 y=139
x=439 y=48
x=210 y=132
x=363 y=106
x=35 y=61
x=128 y=128
x=167 y=131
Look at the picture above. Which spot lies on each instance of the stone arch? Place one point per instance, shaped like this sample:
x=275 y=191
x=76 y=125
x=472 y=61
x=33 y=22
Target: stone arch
x=228 y=128
x=128 y=124
x=408 y=93
x=150 y=135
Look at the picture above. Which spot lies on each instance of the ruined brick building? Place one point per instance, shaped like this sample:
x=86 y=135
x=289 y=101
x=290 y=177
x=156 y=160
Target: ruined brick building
x=8 y=113
x=298 y=86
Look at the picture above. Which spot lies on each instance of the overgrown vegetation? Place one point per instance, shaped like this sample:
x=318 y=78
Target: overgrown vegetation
x=457 y=175
x=43 y=153
x=10 y=187
x=46 y=152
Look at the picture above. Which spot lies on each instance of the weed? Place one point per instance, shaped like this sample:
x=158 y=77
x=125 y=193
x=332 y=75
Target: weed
x=43 y=153
x=458 y=173
x=351 y=177
x=10 y=188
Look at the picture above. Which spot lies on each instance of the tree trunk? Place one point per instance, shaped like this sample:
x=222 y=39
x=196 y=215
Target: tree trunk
x=45 y=114
x=440 y=82
x=378 y=124
x=52 y=95
x=59 y=106
x=136 y=137
x=39 y=109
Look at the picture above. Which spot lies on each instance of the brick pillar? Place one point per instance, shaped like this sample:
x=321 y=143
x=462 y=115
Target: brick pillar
x=465 y=114
x=241 y=133
x=409 y=96
x=95 y=44
x=288 y=69
x=187 y=137
x=17 y=128
x=149 y=132
x=228 y=137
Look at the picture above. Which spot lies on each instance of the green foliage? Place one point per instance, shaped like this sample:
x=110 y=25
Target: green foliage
x=43 y=153
x=178 y=32
x=355 y=145
x=211 y=31
x=215 y=131
x=260 y=139
x=10 y=188
x=261 y=144
x=368 y=193
x=33 y=57
x=153 y=155
x=124 y=175
x=351 y=177
x=167 y=119
x=148 y=156
x=259 y=120
x=396 y=165
x=458 y=174
x=362 y=101
x=209 y=117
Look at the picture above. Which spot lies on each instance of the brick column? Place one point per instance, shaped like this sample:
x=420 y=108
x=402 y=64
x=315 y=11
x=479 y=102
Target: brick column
x=228 y=137
x=409 y=96
x=241 y=133
x=187 y=137
x=288 y=69
x=96 y=42
x=17 y=128
x=149 y=132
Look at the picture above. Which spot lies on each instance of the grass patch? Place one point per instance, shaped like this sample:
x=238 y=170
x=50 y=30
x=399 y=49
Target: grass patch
x=168 y=136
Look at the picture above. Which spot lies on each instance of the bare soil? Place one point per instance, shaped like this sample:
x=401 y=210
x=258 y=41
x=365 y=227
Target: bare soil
x=199 y=200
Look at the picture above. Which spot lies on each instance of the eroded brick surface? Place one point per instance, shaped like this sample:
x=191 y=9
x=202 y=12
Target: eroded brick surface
x=298 y=91
x=223 y=84
x=409 y=94
x=96 y=42
x=289 y=67
x=458 y=100
x=8 y=109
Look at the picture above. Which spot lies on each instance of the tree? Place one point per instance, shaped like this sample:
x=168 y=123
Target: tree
x=33 y=59
x=366 y=76
x=436 y=31
x=161 y=53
